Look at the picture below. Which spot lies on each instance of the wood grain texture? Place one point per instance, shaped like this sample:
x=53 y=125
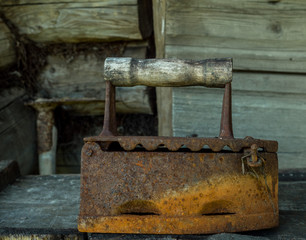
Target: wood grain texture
x=9 y=171
x=77 y=21
x=17 y=128
x=258 y=35
x=29 y=210
x=9 y=95
x=163 y=94
x=41 y=205
x=164 y=108
x=272 y=107
x=167 y=72
x=80 y=80
x=289 y=198
x=7 y=51
x=159 y=23
x=104 y=2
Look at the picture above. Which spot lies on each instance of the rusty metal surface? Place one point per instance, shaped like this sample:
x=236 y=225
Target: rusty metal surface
x=152 y=143
x=175 y=185
x=109 y=125
x=175 y=192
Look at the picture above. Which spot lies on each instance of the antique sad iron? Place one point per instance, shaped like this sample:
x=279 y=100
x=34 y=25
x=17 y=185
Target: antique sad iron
x=175 y=185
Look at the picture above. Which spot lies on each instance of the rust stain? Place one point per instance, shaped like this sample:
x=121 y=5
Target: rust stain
x=226 y=204
x=152 y=143
x=163 y=192
x=175 y=185
x=176 y=225
x=223 y=194
x=45 y=123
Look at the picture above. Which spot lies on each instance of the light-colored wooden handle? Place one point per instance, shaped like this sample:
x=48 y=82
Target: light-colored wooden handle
x=168 y=72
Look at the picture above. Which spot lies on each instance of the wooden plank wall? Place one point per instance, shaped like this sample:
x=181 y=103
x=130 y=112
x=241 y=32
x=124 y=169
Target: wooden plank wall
x=80 y=77
x=163 y=107
x=267 y=40
x=75 y=21
x=61 y=47
x=31 y=209
x=260 y=35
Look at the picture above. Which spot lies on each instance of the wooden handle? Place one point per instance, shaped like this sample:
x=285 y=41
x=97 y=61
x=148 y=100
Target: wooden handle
x=168 y=72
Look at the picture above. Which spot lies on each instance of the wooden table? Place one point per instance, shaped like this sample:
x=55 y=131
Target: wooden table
x=46 y=207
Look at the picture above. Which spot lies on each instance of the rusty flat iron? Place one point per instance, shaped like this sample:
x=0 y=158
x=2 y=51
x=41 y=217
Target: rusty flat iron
x=175 y=185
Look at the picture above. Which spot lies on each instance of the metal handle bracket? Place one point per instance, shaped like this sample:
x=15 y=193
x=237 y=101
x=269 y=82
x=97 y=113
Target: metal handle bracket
x=109 y=126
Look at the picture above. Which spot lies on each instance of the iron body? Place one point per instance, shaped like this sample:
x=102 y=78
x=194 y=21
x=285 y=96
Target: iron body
x=179 y=192
x=173 y=185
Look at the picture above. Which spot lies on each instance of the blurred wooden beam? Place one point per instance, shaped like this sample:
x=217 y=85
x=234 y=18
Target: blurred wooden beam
x=163 y=94
x=77 y=21
x=7 y=50
x=78 y=82
x=9 y=171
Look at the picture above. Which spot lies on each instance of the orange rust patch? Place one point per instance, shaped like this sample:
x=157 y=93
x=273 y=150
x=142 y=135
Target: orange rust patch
x=236 y=194
x=177 y=225
x=162 y=192
x=224 y=204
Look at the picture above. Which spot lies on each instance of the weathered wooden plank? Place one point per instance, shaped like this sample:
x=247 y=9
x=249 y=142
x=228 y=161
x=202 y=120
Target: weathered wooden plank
x=7 y=51
x=289 y=174
x=24 y=235
x=163 y=95
x=292 y=197
x=105 y=3
x=38 y=207
x=164 y=108
x=30 y=210
x=80 y=77
x=269 y=82
x=159 y=21
x=9 y=95
x=17 y=128
x=259 y=35
x=135 y=100
x=9 y=171
x=261 y=109
x=77 y=21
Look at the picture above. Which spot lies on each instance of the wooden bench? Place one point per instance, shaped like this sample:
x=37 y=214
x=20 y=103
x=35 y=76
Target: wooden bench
x=47 y=207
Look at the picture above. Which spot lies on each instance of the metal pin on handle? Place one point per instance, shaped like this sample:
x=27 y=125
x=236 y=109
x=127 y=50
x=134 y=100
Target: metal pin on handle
x=110 y=124
x=226 y=128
